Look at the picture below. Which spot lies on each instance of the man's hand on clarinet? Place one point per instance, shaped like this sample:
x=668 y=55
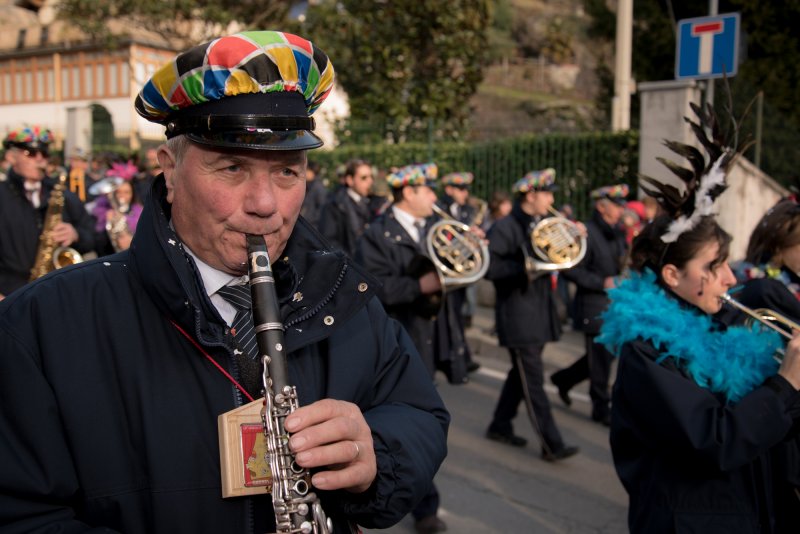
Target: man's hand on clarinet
x=333 y=434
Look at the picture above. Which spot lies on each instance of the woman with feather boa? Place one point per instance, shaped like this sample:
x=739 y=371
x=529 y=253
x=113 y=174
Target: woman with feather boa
x=697 y=407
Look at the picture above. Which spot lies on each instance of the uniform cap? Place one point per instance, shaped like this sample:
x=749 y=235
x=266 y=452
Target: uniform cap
x=458 y=179
x=615 y=193
x=254 y=90
x=543 y=180
x=417 y=174
x=34 y=137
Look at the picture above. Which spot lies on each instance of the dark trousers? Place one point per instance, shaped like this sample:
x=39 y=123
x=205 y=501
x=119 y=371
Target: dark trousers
x=512 y=394
x=594 y=365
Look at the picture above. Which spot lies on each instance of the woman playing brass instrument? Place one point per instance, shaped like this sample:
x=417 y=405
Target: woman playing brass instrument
x=697 y=407
x=770 y=281
x=118 y=212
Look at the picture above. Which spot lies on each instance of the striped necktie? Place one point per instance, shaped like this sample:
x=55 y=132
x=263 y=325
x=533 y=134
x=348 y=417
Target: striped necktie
x=242 y=326
x=246 y=356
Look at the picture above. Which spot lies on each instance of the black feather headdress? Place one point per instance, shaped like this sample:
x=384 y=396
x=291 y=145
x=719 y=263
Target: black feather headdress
x=703 y=182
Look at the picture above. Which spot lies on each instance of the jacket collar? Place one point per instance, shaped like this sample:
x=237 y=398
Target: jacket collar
x=393 y=231
x=318 y=289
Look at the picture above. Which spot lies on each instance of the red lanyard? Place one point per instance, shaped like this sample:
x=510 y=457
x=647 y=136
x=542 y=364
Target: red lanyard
x=212 y=360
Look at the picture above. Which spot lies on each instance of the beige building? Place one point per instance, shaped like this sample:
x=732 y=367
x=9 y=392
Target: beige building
x=48 y=68
x=53 y=74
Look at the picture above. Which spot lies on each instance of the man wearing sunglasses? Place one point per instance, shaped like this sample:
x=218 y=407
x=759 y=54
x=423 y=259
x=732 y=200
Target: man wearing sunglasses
x=24 y=197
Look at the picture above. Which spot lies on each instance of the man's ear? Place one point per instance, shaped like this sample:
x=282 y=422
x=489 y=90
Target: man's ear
x=670 y=274
x=167 y=162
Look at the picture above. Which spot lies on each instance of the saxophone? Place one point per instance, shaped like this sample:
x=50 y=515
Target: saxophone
x=48 y=256
x=297 y=509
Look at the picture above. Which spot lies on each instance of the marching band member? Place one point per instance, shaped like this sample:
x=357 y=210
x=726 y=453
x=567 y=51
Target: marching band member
x=118 y=212
x=112 y=424
x=346 y=213
x=24 y=199
x=696 y=407
x=455 y=201
x=770 y=280
x=390 y=249
x=526 y=317
x=605 y=255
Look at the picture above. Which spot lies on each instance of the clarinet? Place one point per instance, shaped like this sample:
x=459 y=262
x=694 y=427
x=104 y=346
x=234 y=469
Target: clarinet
x=297 y=509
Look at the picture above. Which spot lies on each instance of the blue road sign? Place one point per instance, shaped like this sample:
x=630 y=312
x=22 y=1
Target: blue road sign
x=707 y=47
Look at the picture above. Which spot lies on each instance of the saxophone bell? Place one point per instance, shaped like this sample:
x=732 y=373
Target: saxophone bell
x=49 y=256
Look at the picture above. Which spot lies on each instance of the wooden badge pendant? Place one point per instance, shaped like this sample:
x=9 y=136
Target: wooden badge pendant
x=243 y=452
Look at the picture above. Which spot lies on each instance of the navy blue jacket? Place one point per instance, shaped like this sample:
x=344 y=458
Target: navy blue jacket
x=689 y=461
x=397 y=261
x=109 y=415
x=605 y=253
x=525 y=311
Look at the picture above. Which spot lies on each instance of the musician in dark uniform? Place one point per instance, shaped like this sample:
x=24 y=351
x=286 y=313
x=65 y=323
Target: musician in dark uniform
x=24 y=197
x=346 y=214
x=605 y=254
x=770 y=279
x=526 y=316
x=111 y=425
x=393 y=250
x=455 y=201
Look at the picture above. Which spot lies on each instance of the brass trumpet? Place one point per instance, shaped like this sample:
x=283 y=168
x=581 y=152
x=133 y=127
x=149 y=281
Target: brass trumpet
x=764 y=316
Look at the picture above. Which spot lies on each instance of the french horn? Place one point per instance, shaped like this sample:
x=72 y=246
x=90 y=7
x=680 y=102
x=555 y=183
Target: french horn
x=557 y=244
x=458 y=256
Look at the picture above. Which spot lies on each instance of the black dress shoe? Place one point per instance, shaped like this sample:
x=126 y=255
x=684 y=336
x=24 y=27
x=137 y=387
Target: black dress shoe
x=563 y=392
x=473 y=366
x=429 y=525
x=508 y=439
x=560 y=454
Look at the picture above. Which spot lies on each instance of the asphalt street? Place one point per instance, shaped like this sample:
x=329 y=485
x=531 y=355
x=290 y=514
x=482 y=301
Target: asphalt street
x=487 y=487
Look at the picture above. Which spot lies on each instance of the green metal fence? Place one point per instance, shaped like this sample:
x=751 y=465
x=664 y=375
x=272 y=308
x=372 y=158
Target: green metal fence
x=582 y=161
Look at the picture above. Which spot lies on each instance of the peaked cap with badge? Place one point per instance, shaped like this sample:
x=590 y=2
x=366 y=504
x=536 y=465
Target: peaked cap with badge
x=29 y=137
x=615 y=193
x=458 y=179
x=417 y=174
x=254 y=90
x=543 y=180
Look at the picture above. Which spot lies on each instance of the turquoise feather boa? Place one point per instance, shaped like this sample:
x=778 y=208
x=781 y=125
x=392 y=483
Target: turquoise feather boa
x=732 y=362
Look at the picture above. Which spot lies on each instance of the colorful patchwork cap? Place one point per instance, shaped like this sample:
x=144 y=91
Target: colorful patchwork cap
x=458 y=179
x=615 y=193
x=543 y=180
x=254 y=90
x=418 y=174
x=34 y=137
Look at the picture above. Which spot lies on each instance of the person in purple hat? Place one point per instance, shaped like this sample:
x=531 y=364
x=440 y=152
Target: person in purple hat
x=147 y=419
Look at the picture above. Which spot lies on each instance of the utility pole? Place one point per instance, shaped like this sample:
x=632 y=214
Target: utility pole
x=621 y=105
x=713 y=9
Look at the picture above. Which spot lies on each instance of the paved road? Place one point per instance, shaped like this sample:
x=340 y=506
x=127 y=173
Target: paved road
x=487 y=487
